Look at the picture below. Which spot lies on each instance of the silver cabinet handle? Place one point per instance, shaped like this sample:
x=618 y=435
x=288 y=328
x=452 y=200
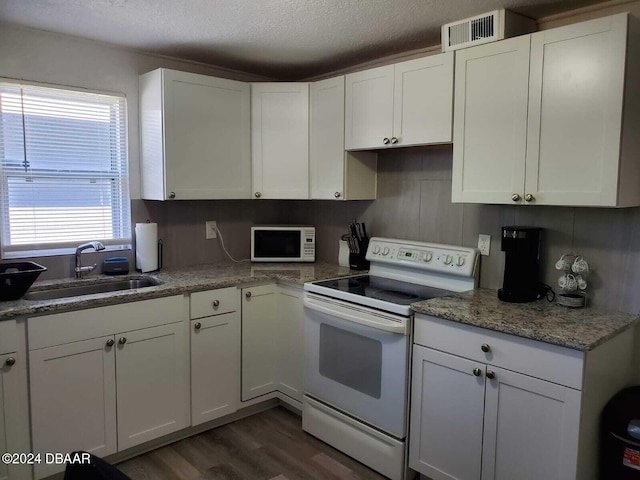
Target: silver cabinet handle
x=529 y=198
x=248 y=294
x=337 y=194
x=110 y=342
x=172 y=195
x=515 y=197
x=477 y=372
x=216 y=303
x=258 y=194
x=197 y=326
x=485 y=348
x=491 y=374
x=386 y=141
x=394 y=140
x=122 y=340
x=10 y=362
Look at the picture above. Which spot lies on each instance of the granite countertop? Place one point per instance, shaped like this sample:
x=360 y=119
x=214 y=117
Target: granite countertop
x=174 y=281
x=579 y=329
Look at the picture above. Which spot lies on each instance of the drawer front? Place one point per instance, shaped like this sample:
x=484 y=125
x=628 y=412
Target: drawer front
x=555 y=364
x=8 y=336
x=61 y=328
x=215 y=302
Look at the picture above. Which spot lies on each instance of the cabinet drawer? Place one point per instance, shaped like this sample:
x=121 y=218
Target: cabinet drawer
x=537 y=359
x=8 y=336
x=215 y=302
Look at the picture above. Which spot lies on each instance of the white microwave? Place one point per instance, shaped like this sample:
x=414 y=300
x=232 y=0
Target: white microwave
x=283 y=243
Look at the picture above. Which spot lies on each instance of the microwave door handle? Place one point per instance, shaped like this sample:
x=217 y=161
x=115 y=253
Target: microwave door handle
x=364 y=319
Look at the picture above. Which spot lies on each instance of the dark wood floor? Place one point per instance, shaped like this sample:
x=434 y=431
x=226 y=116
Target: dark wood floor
x=269 y=445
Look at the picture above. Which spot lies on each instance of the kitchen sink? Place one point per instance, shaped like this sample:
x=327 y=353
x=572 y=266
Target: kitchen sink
x=74 y=291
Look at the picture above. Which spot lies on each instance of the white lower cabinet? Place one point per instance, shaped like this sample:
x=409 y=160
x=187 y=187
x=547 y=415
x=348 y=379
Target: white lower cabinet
x=215 y=354
x=474 y=418
x=272 y=341
x=259 y=347
x=152 y=383
x=102 y=391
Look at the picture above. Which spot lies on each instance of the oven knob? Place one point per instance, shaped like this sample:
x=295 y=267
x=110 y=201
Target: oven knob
x=385 y=251
x=448 y=259
x=428 y=256
x=376 y=250
x=460 y=261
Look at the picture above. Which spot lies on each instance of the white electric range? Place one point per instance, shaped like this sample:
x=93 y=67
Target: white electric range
x=358 y=345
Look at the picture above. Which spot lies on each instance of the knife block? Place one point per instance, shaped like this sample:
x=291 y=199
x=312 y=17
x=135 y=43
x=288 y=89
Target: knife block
x=357 y=261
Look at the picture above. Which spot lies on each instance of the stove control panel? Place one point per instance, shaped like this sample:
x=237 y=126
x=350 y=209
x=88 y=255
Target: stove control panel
x=450 y=259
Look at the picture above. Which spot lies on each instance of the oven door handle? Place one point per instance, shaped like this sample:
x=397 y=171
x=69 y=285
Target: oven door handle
x=365 y=319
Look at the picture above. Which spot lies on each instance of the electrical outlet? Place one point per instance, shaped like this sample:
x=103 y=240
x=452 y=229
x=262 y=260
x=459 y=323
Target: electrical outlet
x=484 y=244
x=211 y=229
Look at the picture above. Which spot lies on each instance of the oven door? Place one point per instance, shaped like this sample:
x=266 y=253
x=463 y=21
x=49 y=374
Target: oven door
x=356 y=359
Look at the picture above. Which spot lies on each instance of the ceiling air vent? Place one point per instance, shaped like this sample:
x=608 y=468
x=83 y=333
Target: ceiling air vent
x=485 y=28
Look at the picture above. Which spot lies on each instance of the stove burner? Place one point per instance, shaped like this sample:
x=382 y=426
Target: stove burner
x=396 y=297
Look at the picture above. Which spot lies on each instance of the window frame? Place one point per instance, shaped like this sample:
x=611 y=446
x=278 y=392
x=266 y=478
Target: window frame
x=123 y=199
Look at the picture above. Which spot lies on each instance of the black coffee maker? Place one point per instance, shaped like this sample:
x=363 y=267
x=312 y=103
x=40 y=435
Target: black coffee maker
x=522 y=264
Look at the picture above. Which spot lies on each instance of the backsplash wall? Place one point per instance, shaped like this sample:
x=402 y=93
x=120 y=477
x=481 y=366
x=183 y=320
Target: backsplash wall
x=414 y=202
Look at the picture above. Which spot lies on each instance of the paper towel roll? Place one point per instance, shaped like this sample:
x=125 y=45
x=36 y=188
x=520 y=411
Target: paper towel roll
x=147 y=247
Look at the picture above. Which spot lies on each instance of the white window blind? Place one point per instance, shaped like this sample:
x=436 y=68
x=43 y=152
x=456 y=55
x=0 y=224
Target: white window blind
x=64 y=168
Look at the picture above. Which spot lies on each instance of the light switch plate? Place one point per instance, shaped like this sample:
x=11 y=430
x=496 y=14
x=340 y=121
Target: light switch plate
x=211 y=227
x=484 y=244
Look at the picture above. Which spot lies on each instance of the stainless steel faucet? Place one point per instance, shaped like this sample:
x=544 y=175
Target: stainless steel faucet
x=97 y=246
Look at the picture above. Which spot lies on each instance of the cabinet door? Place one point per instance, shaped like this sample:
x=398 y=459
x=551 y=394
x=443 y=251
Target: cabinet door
x=369 y=108
x=280 y=140
x=447 y=408
x=290 y=317
x=259 y=346
x=575 y=113
x=13 y=410
x=423 y=100
x=490 y=122
x=531 y=429
x=326 y=152
x=153 y=383
x=73 y=399
x=207 y=137
x=215 y=367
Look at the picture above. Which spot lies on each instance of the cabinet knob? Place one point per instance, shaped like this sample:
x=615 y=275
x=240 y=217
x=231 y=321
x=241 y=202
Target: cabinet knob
x=10 y=362
x=110 y=342
x=386 y=141
x=172 y=195
x=197 y=326
x=515 y=197
x=491 y=374
x=529 y=198
x=485 y=348
x=248 y=294
x=477 y=372
x=394 y=140
x=122 y=340
x=216 y=303
x=337 y=194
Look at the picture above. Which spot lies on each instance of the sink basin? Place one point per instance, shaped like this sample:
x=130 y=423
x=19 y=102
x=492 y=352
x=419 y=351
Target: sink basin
x=74 y=291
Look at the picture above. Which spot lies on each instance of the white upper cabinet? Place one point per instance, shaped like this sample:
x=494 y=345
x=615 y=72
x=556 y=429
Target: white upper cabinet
x=334 y=173
x=490 y=132
x=561 y=134
x=280 y=140
x=408 y=103
x=195 y=137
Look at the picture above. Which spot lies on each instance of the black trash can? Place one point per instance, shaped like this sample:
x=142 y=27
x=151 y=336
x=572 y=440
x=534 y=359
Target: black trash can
x=620 y=437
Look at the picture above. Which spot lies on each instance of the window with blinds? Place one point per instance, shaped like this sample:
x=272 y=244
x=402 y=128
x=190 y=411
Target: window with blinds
x=64 y=168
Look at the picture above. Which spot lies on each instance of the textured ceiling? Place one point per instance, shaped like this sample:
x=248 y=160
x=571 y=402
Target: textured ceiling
x=285 y=39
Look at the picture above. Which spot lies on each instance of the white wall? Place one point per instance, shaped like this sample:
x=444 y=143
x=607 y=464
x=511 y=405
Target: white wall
x=39 y=56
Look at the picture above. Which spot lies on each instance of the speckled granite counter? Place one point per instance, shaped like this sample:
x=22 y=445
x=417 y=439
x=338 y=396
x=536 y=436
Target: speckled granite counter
x=579 y=329
x=175 y=281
